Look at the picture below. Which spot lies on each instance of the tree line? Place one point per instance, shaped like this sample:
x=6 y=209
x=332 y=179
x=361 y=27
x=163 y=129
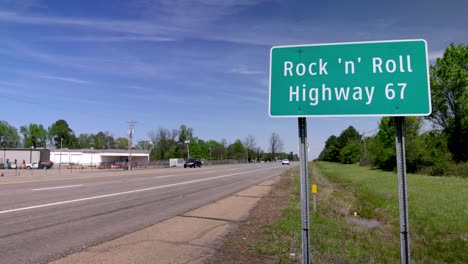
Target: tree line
x=162 y=143
x=442 y=150
x=58 y=135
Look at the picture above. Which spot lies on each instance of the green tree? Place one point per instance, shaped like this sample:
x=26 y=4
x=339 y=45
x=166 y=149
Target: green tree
x=436 y=156
x=104 y=140
x=185 y=133
x=217 y=149
x=449 y=88
x=143 y=145
x=382 y=151
x=236 y=150
x=9 y=137
x=351 y=153
x=334 y=145
x=121 y=143
x=382 y=145
x=85 y=141
x=165 y=144
x=331 y=151
x=61 y=133
x=34 y=135
x=348 y=135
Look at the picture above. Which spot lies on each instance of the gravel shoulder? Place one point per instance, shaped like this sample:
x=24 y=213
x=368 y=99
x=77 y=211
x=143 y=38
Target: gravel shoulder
x=237 y=246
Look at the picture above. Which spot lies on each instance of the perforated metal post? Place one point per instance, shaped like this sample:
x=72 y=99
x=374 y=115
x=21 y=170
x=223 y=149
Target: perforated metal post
x=402 y=193
x=305 y=213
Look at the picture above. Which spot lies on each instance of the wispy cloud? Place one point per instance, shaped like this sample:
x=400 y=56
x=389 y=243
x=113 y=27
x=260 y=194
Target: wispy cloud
x=245 y=71
x=250 y=98
x=168 y=21
x=113 y=62
x=108 y=38
x=140 y=88
x=64 y=79
x=20 y=5
x=124 y=26
x=9 y=84
x=196 y=13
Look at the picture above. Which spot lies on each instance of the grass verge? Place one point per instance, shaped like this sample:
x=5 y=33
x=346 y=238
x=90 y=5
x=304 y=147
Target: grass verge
x=437 y=209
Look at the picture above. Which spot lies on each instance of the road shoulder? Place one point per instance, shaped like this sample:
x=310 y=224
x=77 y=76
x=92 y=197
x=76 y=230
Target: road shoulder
x=238 y=246
x=192 y=237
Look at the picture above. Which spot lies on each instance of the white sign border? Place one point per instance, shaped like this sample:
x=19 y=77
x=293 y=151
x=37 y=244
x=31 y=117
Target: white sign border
x=351 y=43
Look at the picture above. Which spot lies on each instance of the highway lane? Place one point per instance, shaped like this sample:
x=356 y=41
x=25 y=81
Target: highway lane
x=42 y=219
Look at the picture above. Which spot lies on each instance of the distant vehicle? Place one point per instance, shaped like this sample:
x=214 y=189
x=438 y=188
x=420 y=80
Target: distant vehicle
x=285 y=162
x=34 y=165
x=40 y=165
x=192 y=163
x=7 y=165
x=46 y=164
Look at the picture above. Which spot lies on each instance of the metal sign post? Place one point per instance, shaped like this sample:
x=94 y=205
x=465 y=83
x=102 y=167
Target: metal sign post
x=403 y=196
x=305 y=214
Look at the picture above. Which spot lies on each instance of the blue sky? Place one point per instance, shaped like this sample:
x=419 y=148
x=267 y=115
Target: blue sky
x=203 y=63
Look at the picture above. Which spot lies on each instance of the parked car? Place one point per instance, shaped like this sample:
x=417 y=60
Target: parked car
x=33 y=165
x=7 y=165
x=285 y=162
x=47 y=164
x=192 y=163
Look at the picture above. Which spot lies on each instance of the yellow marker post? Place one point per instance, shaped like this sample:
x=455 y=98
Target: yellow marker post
x=314 y=188
x=314 y=192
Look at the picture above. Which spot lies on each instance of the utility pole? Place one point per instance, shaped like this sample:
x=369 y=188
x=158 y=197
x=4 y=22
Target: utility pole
x=188 y=150
x=60 y=162
x=131 y=131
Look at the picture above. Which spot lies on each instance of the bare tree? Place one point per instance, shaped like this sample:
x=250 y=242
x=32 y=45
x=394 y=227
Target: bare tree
x=249 y=145
x=153 y=135
x=173 y=135
x=249 y=142
x=276 y=145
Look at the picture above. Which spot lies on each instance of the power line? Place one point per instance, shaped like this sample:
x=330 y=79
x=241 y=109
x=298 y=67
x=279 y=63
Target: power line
x=370 y=131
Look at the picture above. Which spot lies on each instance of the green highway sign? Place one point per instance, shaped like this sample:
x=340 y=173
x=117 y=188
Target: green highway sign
x=379 y=78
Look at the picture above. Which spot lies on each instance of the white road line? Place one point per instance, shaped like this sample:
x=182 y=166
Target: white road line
x=128 y=192
x=167 y=176
x=58 y=187
x=186 y=174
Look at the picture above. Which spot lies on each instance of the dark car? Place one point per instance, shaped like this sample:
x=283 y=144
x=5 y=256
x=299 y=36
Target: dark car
x=46 y=164
x=192 y=163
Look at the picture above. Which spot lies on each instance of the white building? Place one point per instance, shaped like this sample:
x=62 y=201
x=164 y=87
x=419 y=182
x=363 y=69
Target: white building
x=95 y=157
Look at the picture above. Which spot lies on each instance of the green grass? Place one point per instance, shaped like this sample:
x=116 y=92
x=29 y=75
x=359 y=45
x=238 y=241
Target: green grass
x=438 y=211
x=283 y=237
x=438 y=218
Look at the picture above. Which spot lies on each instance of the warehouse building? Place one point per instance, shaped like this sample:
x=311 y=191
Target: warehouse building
x=23 y=155
x=96 y=157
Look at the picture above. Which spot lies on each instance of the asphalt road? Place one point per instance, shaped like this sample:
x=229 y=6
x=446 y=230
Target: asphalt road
x=44 y=218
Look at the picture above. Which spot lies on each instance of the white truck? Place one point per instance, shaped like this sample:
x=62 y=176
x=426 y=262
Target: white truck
x=33 y=165
x=40 y=165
